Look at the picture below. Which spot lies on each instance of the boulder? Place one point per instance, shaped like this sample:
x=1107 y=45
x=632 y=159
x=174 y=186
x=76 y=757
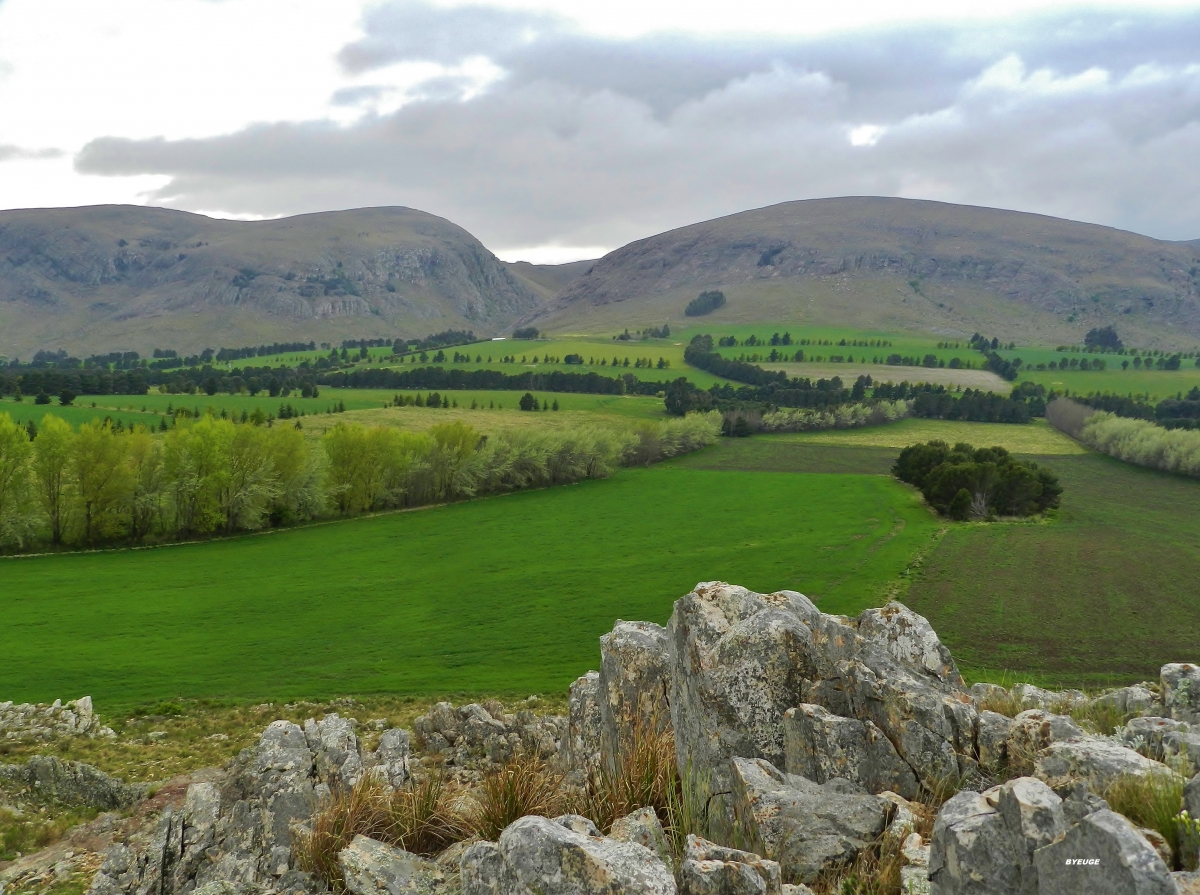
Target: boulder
x=909 y=639
x=1136 y=700
x=580 y=746
x=389 y=763
x=1102 y=855
x=642 y=827
x=1079 y=802
x=1181 y=691
x=710 y=869
x=1035 y=729
x=1145 y=735
x=992 y=738
x=374 y=868
x=633 y=685
x=1183 y=746
x=914 y=873
x=985 y=842
x=820 y=746
x=1191 y=797
x=984 y=692
x=807 y=827
x=537 y=855
x=1096 y=761
x=1032 y=697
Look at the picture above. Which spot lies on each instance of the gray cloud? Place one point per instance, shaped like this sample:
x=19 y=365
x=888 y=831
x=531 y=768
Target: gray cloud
x=9 y=153
x=591 y=141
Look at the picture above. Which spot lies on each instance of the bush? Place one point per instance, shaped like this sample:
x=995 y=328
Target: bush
x=995 y=483
x=705 y=303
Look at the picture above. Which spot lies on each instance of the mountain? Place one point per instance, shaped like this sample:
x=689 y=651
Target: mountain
x=888 y=264
x=549 y=279
x=113 y=277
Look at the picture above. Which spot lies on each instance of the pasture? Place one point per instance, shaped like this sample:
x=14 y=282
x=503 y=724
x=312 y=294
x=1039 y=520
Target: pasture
x=504 y=595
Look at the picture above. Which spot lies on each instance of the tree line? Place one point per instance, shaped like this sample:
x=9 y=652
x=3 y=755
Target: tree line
x=964 y=482
x=1138 y=441
x=98 y=485
x=1180 y=412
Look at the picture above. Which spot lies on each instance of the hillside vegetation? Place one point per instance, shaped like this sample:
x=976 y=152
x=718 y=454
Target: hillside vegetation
x=897 y=263
x=131 y=278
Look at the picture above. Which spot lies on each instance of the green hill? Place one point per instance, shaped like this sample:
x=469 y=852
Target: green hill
x=887 y=264
x=113 y=277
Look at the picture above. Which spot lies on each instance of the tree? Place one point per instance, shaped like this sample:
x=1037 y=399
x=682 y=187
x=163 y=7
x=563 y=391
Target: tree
x=526 y=332
x=705 y=303
x=65 y=397
x=52 y=465
x=528 y=402
x=100 y=471
x=1103 y=338
x=17 y=504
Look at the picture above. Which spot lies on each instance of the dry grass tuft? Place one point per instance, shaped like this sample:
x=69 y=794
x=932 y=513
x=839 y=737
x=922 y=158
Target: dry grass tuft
x=645 y=775
x=876 y=871
x=1003 y=703
x=524 y=786
x=1154 y=801
x=424 y=817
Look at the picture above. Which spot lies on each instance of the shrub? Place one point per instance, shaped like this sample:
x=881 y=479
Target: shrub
x=995 y=483
x=705 y=303
x=1154 y=801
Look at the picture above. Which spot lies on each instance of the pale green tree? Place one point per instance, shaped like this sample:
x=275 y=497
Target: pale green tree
x=52 y=465
x=17 y=500
x=102 y=476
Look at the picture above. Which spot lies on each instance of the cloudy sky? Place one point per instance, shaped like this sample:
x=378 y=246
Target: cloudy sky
x=558 y=129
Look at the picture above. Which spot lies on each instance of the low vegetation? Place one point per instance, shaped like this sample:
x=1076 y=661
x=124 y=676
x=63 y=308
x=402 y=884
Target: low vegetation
x=705 y=303
x=964 y=482
x=1155 y=801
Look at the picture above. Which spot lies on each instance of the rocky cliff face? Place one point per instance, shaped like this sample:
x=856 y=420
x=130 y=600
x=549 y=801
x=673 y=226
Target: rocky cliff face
x=108 y=277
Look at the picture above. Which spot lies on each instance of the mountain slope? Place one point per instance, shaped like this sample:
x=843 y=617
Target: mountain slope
x=128 y=277
x=897 y=263
x=549 y=279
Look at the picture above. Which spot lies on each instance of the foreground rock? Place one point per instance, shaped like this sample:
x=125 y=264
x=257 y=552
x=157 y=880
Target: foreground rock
x=374 y=868
x=1019 y=839
x=711 y=869
x=46 y=722
x=538 y=856
x=807 y=827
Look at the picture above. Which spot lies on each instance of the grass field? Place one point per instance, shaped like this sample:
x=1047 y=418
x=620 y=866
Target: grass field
x=1036 y=438
x=504 y=595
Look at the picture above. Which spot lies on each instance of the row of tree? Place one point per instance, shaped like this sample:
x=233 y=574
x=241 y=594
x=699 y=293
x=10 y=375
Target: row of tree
x=965 y=482
x=98 y=485
x=1136 y=441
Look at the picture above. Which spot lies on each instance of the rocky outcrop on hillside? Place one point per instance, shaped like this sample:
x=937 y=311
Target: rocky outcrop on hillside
x=44 y=722
x=813 y=742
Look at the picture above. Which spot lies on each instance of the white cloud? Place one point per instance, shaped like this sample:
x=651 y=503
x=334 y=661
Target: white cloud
x=866 y=134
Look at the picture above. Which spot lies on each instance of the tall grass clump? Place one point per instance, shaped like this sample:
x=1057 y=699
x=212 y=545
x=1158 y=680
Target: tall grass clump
x=525 y=785
x=1155 y=801
x=424 y=818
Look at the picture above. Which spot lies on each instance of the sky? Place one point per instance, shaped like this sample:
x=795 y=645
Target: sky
x=556 y=130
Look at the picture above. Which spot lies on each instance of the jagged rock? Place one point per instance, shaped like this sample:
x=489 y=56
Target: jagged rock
x=1102 y=855
x=1079 y=802
x=374 y=868
x=820 y=746
x=805 y=826
x=471 y=736
x=984 y=691
x=739 y=660
x=1096 y=761
x=580 y=747
x=633 y=685
x=1183 y=746
x=537 y=855
x=73 y=783
x=644 y=828
x=1035 y=729
x=336 y=750
x=44 y=722
x=710 y=869
x=389 y=763
x=577 y=823
x=1145 y=735
x=1181 y=691
x=909 y=639
x=992 y=738
x=1136 y=700
x=1032 y=697
x=903 y=821
x=914 y=874
x=933 y=730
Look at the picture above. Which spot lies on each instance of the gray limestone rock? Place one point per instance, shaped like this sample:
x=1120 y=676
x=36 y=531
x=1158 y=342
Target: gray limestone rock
x=1145 y=735
x=1181 y=691
x=805 y=826
x=73 y=783
x=972 y=851
x=710 y=869
x=549 y=859
x=1035 y=729
x=909 y=639
x=389 y=763
x=374 y=868
x=992 y=739
x=1102 y=855
x=644 y=828
x=580 y=747
x=1096 y=761
x=820 y=746
x=633 y=685
x=336 y=751
x=1136 y=700
x=1183 y=746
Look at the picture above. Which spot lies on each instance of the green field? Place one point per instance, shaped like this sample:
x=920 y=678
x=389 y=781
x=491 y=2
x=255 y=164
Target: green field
x=503 y=595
